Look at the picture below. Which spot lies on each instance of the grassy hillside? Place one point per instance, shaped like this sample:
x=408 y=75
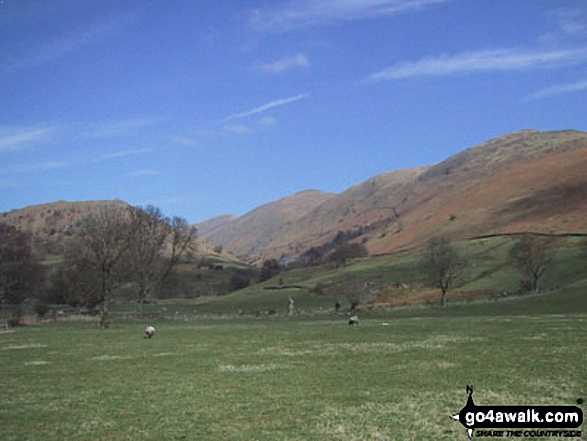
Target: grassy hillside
x=399 y=281
x=395 y=376
x=237 y=367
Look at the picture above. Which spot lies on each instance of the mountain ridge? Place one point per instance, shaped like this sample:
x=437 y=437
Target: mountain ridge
x=263 y=222
x=50 y=224
x=527 y=180
x=522 y=181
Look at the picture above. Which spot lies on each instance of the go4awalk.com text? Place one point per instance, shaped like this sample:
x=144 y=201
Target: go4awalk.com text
x=528 y=433
x=520 y=421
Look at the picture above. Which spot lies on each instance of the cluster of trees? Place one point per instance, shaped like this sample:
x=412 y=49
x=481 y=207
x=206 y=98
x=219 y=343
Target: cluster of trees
x=337 y=250
x=443 y=266
x=246 y=277
x=337 y=255
x=532 y=255
x=21 y=274
x=116 y=246
x=351 y=289
x=113 y=246
x=139 y=248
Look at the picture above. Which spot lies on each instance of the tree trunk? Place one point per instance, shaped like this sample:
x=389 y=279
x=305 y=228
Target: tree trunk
x=443 y=298
x=104 y=320
x=141 y=301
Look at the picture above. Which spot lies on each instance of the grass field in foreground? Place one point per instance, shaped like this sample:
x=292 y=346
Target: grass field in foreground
x=392 y=378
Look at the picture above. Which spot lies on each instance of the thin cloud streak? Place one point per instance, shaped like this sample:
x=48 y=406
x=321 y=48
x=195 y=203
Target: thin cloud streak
x=319 y=12
x=144 y=172
x=266 y=121
x=559 y=89
x=35 y=168
x=116 y=128
x=236 y=129
x=288 y=63
x=123 y=153
x=486 y=60
x=183 y=141
x=60 y=47
x=571 y=23
x=24 y=138
x=263 y=108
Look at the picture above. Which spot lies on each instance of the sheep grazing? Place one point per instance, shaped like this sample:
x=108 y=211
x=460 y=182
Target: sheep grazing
x=150 y=331
x=354 y=320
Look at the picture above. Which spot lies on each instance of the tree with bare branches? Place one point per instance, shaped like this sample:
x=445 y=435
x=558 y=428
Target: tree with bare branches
x=94 y=259
x=117 y=245
x=156 y=245
x=533 y=255
x=442 y=265
x=352 y=289
x=21 y=274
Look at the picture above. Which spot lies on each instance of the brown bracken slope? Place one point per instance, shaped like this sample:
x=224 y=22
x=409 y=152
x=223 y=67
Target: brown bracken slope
x=50 y=225
x=526 y=181
x=246 y=235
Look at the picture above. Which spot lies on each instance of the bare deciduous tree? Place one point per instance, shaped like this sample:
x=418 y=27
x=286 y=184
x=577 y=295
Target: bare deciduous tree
x=532 y=255
x=117 y=245
x=21 y=274
x=181 y=243
x=443 y=266
x=350 y=288
x=156 y=244
x=95 y=256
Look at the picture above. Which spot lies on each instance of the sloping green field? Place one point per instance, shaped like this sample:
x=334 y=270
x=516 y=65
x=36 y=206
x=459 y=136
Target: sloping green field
x=397 y=376
x=486 y=275
x=236 y=367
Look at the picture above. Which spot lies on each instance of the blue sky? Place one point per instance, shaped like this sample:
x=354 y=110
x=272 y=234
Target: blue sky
x=211 y=107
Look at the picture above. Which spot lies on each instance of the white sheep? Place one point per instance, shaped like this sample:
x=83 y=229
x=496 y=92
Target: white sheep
x=150 y=331
x=354 y=320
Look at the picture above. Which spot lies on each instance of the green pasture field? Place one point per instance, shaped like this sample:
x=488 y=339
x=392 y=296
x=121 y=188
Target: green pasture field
x=487 y=269
x=397 y=376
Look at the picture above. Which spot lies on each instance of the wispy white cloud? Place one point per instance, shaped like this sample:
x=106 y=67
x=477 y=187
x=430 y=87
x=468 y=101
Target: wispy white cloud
x=23 y=138
x=305 y=13
x=35 y=167
x=266 y=121
x=264 y=107
x=60 y=47
x=480 y=61
x=111 y=129
x=123 y=153
x=558 y=89
x=143 y=172
x=244 y=129
x=183 y=140
x=287 y=63
x=571 y=23
x=236 y=129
